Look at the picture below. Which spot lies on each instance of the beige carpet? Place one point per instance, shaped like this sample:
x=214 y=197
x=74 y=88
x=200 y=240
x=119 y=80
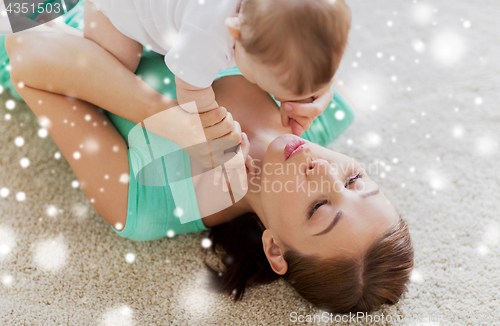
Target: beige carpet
x=431 y=126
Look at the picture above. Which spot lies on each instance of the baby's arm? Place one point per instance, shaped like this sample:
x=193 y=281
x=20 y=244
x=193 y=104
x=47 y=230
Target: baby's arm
x=99 y=29
x=204 y=97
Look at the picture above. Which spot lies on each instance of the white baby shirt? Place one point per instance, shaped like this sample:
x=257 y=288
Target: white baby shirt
x=190 y=33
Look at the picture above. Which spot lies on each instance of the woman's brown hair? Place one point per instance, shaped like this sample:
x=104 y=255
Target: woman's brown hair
x=338 y=285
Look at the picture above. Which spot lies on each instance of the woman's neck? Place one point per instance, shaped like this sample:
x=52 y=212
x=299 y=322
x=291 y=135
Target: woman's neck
x=260 y=119
x=259 y=142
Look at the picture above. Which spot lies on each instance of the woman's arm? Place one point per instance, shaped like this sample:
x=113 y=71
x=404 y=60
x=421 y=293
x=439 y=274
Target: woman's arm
x=76 y=67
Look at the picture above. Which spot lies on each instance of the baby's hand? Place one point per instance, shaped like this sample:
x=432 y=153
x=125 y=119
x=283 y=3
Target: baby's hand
x=300 y=116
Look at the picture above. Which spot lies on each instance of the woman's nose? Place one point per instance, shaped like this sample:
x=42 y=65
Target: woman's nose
x=325 y=177
x=321 y=171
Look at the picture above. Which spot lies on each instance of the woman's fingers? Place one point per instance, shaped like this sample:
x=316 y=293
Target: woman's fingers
x=233 y=162
x=242 y=175
x=242 y=157
x=217 y=175
x=221 y=129
x=213 y=117
x=235 y=133
x=225 y=182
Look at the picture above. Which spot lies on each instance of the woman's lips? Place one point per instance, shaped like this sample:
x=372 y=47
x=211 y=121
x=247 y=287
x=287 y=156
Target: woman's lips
x=294 y=147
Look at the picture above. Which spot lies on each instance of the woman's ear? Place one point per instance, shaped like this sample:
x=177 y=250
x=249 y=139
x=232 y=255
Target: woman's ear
x=234 y=27
x=274 y=253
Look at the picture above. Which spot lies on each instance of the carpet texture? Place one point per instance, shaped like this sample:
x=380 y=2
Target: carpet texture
x=424 y=79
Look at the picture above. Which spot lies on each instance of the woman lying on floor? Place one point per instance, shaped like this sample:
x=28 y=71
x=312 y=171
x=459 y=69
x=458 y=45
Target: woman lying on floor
x=343 y=248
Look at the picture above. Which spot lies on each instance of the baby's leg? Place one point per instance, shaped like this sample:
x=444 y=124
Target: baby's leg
x=99 y=29
x=94 y=149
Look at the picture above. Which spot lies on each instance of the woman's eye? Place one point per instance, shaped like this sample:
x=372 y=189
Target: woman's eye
x=353 y=179
x=315 y=207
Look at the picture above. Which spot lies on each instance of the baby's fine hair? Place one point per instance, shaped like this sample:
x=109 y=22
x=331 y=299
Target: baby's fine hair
x=303 y=39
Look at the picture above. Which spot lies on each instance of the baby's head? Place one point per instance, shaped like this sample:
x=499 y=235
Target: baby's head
x=290 y=48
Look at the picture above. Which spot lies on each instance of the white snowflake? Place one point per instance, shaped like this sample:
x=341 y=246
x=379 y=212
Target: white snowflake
x=372 y=139
x=20 y=196
x=10 y=104
x=178 y=211
x=91 y=145
x=122 y=316
x=483 y=250
x=485 y=146
x=19 y=141
x=52 y=211
x=80 y=210
x=44 y=122
x=422 y=13
x=416 y=276
x=51 y=254
x=206 y=243
x=4 y=192
x=492 y=234
x=437 y=180
x=124 y=178
x=458 y=132
x=42 y=133
x=7 y=280
x=448 y=47
x=418 y=46
x=339 y=115
x=129 y=258
x=25 y=162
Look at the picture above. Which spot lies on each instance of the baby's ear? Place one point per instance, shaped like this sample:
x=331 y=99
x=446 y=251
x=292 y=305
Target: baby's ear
x=234 y=27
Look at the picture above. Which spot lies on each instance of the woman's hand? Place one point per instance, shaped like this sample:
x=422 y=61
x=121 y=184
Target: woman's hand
x=236 y=163
x=299 y=116
x=201 y=135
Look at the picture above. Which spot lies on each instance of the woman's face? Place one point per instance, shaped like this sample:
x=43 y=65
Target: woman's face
x=320 y=202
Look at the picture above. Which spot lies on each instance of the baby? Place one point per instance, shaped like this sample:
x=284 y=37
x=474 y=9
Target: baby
x=289 y=48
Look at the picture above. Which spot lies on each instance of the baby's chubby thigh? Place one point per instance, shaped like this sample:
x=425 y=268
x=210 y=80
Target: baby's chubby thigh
x=104 y=25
